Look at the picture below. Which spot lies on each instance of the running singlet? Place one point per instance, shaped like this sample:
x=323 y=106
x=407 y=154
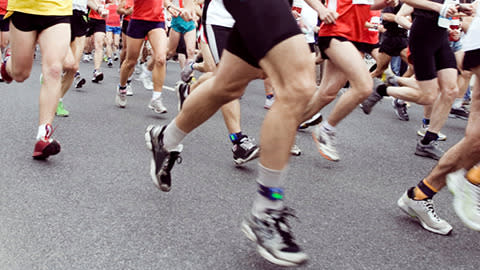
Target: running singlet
x=128 y=4
x=80 y=5
x=350 y=23
x=94 y=15
x=472 y=38
x=42 y=7
x=3 y=7
x=217 y=14
x=113 y=18
x=148 y=10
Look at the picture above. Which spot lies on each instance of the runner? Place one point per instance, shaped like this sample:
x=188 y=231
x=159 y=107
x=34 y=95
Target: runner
x=113 y=30
x=4 y=27
x=47 y=23
x=97 y=28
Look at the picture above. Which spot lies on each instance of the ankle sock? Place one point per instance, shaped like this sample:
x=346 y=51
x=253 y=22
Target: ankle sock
x=235 y=138
x=172 y=136
x=382 y=90
x=429 y=136
x=426 y=121
x=327 y=127
x=156 y=94
x=422 y=191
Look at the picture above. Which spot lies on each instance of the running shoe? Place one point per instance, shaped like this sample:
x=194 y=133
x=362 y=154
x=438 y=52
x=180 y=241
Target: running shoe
x=162 y=161
x=115 y=57
x=46 y=146
x=315 y=120
x=400 y=108
x=182 y=90
x=187 y=71
x=129 y=89
x=295 y=150
x=466 y=198
x=391 y=79
x=461 y=113
x=269 y=102
x=121 y=97
x=157 y=106
x=146 y=79
x=86 y=58
x=3 y=69
x=326 y=143
x=97 y=76
x=424 y=211
x=109 y=62
x=423 y=129
x=1 y=79
x=61 y=110
x=274 y=238
x=367 y=105
x=78 y=81
x=245 y=151
x=431 y=150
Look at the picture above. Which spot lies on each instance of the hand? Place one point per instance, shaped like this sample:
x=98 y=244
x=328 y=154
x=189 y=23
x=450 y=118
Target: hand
x=465 y=8
x=328 y=16
x=448 y=10
x=187 y=14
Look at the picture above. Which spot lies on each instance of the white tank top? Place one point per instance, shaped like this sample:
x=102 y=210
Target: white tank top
x=472 y=38
x=217 y=14
x=80 y=5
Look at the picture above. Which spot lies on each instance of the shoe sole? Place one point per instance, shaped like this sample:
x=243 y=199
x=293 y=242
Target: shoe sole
x=62 y=115
x=424 y=154
x=320 y=150
x=263 y=251
x=98 y=79
x=255 y=154
x=153 y=167
x=51 y=149
x=442 y=139
x=457 y=205
x=154 y=110
x=396 y=112
x=80 y=83
x=314 y=122
x=407 y=210
x=177 y=90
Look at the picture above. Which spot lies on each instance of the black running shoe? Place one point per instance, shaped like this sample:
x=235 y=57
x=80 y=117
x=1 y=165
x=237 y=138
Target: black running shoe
x=245 y=151
x=162 y=161
x=461 y=113
x=315 y=120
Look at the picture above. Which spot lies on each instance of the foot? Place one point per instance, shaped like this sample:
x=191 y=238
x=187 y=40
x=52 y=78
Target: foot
x=326 y=143
x=46 y=146
x=367 y=105
x=245 y=151
x=460 y=112
x=400 y=108
x=97 y=76
x=182 y=90
x=431 y=150
x=61 y=110
x=157 y=106
x=162 y=161
x=423 y=129
x=121 y=97
x=78 y=82
x=425 y=212
x=274 y=238
x=466 y=199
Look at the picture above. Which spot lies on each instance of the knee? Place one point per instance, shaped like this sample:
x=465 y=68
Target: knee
x=364 y=88
x=20 y=75
x=450 y=92
x=160 y=60
x=297 y=96
x=53 y=71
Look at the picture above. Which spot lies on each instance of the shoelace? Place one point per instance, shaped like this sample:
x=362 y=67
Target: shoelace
x=429 y=206
x=280 y=222
x=247 y=143
x=50 y=130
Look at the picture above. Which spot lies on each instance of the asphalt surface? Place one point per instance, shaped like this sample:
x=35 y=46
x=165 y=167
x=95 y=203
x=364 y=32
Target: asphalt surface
x=93 y=206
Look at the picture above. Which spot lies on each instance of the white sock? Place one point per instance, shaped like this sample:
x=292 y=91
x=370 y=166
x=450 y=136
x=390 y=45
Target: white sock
x=268 y=178
x=60 y=99
x=172 y=136
x=156 y=94
x=327 y=127
x=42 y=131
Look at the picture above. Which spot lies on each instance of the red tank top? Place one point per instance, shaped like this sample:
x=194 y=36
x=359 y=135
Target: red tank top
x=94 y=15
x=113 y=18
x=351 y=19
x=148 y=10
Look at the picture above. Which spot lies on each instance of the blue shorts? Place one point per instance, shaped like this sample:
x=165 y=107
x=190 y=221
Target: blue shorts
x=116 y=30
x=140 y=28
x=181 y=26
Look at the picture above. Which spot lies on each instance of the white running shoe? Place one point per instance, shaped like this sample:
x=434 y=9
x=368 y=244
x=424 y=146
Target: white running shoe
x=121 y=97
x=146 y=79
x=295 y=150
x=157 y=106
x=424 y=211
x=466 y=198
x=326 y=143
x=129 y=89
x=269 y=102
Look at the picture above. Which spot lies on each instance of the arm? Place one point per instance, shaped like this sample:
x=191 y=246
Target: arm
x=380 y=4
x=389 y=17
x=446 y=11
x=122 y=10
x=402 y=16
x=326 y=15
x=95 y=5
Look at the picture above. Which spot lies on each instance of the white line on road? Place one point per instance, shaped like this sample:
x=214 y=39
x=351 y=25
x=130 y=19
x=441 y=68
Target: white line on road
x=169 y=88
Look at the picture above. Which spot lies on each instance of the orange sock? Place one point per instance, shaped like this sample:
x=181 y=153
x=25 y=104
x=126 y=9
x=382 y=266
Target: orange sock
x=423 y=191
x=473 y=175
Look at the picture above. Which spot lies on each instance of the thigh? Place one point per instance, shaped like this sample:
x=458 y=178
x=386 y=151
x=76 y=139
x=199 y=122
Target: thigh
x=134 y=45
x=190 y=38
x=234 y=74
x=54 y=44
x=99 y=38
x=173 y=39
x=22 y=46
x=158 y=40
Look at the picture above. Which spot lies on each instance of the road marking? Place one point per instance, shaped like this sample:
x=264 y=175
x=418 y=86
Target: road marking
x=169 y=88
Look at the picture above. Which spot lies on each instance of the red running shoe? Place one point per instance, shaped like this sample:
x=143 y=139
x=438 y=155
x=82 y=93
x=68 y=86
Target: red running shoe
x=46 y=146
x=3 y=69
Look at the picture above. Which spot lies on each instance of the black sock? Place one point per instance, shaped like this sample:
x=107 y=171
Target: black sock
x=429 y=136
x=235 y=138
x=373 y=67
x=382 y=90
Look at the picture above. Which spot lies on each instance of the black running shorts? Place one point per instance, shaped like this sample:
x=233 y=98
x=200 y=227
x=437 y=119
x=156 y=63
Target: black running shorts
x=471 y=59
x=78 y=24
x=30 y=22
x=393 y=45
x=124 y=26
x=430 y=50
x=95 y=26
x=4 y=24
x=217 y=38
x=259 y=26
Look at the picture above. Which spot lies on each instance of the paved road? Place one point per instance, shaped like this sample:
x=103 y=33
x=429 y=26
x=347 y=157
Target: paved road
x=94 y=206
